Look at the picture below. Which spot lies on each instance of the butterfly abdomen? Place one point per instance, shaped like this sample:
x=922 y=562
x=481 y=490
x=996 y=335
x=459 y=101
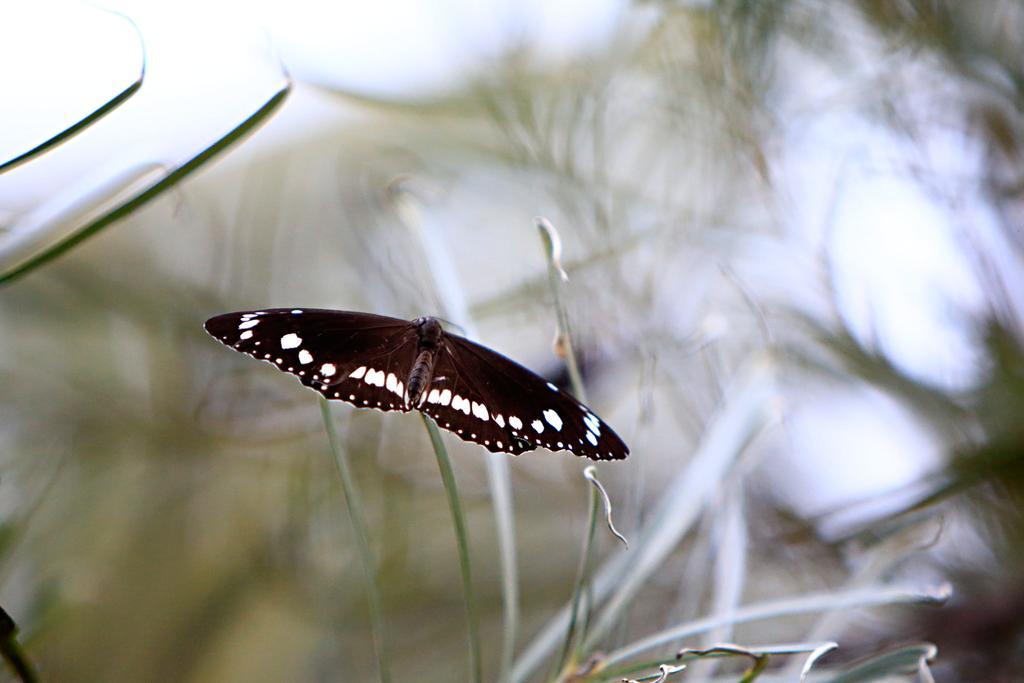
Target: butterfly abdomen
x=429 y=333
x=419 y=376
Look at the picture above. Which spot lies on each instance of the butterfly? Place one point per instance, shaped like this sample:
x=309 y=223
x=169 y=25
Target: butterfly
x=389 y=364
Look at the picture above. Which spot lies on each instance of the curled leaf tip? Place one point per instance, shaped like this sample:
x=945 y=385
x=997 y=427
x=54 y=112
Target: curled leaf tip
x=812 y=659
x=590 y=474
x=553 y=243
x=664 y=672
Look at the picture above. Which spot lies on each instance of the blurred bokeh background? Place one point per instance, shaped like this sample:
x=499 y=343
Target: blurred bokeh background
x=793 y=236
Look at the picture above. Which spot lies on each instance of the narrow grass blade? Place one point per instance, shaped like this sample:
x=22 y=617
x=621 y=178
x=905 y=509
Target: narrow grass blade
x=805 y=604
x=879 y=562
x=564 y=347
x=568 y=657
x=576 y=631
x=12 y=652
x=13 y=270
x=730 y=566
x=755 y=670
x=454 y=301
x=76 y=203
x=685 y=498
x=362 y=537
x=731 y=558
x=556 y=276
x=533 y=288
x=501 y=492
x=761 y=655
x=903 y=661
x=462 y=538
x=814 y=651
x=672 y=515
x=83 y=123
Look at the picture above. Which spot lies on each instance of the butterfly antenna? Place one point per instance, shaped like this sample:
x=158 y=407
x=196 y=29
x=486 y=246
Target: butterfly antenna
x=448 y=323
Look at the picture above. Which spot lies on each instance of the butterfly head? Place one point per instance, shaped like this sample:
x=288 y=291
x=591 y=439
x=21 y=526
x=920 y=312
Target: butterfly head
x=429 y=330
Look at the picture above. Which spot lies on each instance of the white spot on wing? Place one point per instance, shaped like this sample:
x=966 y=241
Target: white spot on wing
x=358 y=372
x=552 y=387
x=515 y=422
x=461 y=403
x=248 y=324
x=434 y=396
x=246 y=335
x=291 y=341
x=446 y=397
x=538 y=426
x=593 y=424
x=591 y=438
x=305 y=357
x=553 y=419
x=480 y=410
x=500 y=420
x=391 y=382
x=296 y=311
x=328 y=369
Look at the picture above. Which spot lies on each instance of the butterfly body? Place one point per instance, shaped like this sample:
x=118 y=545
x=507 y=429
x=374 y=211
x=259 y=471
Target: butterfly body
x=430 y=334
x=389 y=364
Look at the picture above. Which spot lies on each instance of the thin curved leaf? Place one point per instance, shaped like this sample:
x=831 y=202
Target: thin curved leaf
x=444 y=464
x=92 y=117
x=672 y=516
x=902 y=661
x=22 y=266
x=429 y=236
x=804 y=604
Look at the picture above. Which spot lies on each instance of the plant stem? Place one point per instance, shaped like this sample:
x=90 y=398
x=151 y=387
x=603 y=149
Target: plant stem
x=11 y=650
x=359 y=531
x=430 y=237
x=755 y=670
x=462 y=538
x=552 y=249
x=569 y=654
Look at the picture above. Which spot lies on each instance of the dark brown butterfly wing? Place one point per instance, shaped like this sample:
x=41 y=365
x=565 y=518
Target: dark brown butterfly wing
x=491 y=400
x=359 y=358
x=475 y=393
